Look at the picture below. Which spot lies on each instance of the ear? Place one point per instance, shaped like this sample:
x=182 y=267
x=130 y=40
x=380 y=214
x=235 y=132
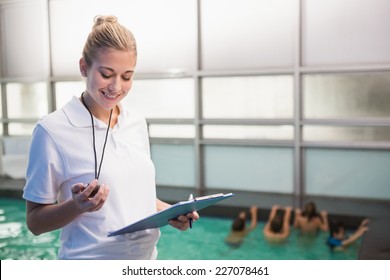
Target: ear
x=83 y=67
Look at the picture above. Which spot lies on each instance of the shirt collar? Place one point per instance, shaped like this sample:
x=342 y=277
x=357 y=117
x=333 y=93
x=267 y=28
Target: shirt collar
x=79 y=116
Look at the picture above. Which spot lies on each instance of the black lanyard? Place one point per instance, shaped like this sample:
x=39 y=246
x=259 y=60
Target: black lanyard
x=97 y=172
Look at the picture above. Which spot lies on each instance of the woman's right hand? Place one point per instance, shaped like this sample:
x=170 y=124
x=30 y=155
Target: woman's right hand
x=85 y=199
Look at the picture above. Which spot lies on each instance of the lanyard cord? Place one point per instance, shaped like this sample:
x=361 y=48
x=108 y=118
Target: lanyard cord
x=97 y=172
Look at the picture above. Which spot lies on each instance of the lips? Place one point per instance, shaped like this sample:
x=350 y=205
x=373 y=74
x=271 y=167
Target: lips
x=109 y=96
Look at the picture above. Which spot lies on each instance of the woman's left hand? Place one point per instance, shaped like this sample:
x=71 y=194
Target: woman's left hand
x=183 y=221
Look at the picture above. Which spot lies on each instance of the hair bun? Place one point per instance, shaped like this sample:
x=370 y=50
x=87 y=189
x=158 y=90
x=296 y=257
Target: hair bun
x=104 y=19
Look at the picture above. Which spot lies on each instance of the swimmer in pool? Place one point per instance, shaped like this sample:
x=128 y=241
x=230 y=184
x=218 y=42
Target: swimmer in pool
x=239 y=230
x=338 y=240
x=309 y=221
x=277 y=228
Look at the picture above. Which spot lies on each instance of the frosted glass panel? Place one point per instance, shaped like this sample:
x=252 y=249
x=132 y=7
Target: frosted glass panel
x=175 y=165
x=248 y=132
x=248 y=97
x=347 y=95
x=27 y=100
x=163 y=98
x=1 y=114
x=249 y=168
x=165 y=32
x=346 y=32
x=24 y=38
x=1 y=104
x=340 y=133
x=66 y=90
x=16 y=128
x=348 y=173
x=244 y=34
x=172 y=131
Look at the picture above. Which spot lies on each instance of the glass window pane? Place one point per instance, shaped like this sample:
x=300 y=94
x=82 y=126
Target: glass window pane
x=340 y=133
x=248 y=97
x=175 y=164
x=241 y=34
x=282 y=132
x=163 y=98
x=15 y=128
x=257 y=169
x=348 y=173
x=18 y=145
x=66 y=90
x=24 y=37
x=172 y=131
x=1 y=109
x=27 y=100
x=363 y=95
x=165 y=32
x=1 y=101
x=346 y=32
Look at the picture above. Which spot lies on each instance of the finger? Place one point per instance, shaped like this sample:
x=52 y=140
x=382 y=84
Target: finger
x=77 y=188
x=99 y=199
x=194 y=216
x=94 y=182
x=91 y=189
x=99 y=194
x=182 y=219
x=179 y=225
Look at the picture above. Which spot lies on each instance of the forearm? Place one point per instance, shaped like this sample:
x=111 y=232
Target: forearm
x=161 y=205
x=43 y=218
x=352 y=238
x=253 y=221
x=286 y=221
x=272 y=213
x=325 y=223
x=297 y=217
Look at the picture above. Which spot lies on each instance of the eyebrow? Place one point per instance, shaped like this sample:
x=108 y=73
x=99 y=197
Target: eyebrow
x=112 y=70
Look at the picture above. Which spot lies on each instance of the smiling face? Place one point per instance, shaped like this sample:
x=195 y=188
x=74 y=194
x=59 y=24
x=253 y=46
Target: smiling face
x=108 y=79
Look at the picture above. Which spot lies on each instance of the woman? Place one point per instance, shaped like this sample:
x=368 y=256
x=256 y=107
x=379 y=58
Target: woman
x=309 y=221
x=89 y=169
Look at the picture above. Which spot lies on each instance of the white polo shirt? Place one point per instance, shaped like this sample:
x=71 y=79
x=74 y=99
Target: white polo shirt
x=61 y=154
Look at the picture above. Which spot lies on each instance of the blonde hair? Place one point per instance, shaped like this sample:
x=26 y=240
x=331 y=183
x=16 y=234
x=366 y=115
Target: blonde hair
x=108 y=33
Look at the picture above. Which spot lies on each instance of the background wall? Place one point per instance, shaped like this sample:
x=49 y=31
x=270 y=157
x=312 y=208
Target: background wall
x=282 y=97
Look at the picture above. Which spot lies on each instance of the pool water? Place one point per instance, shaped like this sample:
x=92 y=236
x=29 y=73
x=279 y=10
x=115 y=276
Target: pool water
x=205 y=241
x=16 y=242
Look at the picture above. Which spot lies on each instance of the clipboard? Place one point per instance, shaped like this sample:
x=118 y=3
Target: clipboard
x=161 y=218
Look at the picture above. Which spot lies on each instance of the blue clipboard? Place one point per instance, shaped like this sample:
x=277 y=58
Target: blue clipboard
x=161 y=218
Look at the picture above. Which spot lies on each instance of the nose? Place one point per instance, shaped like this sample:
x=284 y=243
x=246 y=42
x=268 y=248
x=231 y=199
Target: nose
x=114 y=86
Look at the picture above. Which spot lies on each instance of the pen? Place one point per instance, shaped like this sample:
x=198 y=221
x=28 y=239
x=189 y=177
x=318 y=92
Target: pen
x=191 y=197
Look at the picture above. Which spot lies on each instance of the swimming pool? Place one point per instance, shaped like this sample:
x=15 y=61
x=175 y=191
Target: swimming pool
x=205 y=241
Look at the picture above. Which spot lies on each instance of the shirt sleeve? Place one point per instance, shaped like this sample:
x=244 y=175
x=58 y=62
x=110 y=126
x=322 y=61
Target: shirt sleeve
x=146 y=138
x=45 y=170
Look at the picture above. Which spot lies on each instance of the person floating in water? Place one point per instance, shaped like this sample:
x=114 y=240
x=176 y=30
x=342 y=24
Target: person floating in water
x=239 y=230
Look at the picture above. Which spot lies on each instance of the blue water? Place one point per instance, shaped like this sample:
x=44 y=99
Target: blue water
x=16 y=242
x=205 y=241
